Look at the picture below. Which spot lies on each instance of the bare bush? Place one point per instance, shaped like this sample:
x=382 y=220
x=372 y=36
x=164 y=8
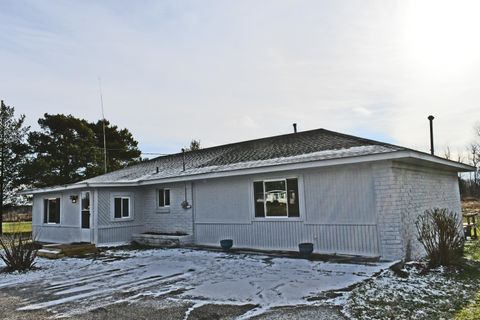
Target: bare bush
x=18 y=251
x=439 y=231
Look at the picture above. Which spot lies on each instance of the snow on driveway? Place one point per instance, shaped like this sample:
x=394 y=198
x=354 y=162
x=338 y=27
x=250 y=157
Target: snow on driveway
x=74 y=285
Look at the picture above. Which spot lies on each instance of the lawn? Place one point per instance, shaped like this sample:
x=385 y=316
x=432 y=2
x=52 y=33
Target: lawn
x=22 y=227
x=414 y=292
x=472 y=310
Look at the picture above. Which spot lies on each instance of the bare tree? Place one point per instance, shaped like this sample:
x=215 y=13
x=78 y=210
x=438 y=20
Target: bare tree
x=460 y=156
x=474 y=157
x=447 y=154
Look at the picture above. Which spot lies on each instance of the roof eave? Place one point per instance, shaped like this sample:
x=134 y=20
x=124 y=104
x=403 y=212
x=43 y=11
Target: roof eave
x=458 y=166
x=394 y=155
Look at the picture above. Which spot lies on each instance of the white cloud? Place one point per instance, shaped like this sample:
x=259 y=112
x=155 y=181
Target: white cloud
x=228 y=71
x=362 y=111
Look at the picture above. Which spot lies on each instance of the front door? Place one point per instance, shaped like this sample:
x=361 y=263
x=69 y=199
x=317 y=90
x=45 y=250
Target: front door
x=85 y=217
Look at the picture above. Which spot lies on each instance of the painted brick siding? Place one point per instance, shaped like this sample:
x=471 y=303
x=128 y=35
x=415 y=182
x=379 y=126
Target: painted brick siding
x=111 y=231
x=172 y=219
x=402 y=193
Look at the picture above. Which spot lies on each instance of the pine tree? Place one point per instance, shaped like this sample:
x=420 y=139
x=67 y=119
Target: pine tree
x=69 y=149
x=61 y=152
x=194 y=145
x=13 y=150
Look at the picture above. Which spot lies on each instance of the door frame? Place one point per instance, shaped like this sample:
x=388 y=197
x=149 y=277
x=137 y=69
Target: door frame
x=86 y=233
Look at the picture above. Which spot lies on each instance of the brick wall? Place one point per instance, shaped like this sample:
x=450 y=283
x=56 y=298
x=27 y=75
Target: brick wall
x=402 y=193
x=172 y=219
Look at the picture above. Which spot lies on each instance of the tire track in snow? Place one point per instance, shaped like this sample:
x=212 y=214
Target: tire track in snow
x=97 y=294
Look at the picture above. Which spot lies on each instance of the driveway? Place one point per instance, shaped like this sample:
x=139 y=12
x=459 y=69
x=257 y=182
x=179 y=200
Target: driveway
x=184 y=283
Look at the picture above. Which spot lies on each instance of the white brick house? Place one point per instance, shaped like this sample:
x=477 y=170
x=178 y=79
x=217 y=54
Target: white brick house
x=344 y=194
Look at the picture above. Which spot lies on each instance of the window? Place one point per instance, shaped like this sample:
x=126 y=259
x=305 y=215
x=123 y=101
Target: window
x=51 y=210
x=276 y=198
x=163 y=197
x=121 y=207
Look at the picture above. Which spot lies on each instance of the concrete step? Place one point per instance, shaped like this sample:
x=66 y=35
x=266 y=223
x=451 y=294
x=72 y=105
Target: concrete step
x=58 y=250
x=79 y=249
x=50 y=253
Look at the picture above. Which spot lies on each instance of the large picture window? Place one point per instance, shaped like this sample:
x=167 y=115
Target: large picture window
x=121 y=207
x=51 y=210
x=276 y=198
x=163 y=198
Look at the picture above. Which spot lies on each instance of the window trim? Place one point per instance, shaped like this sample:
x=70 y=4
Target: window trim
x=131 y=206
x=164 y=207
x=301 y=198
x=122 y=207
x=52 y=197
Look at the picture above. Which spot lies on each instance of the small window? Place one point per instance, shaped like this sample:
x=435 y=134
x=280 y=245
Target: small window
x=276 y=198
x=51 y=210
x=121 y=207
x=163 y=197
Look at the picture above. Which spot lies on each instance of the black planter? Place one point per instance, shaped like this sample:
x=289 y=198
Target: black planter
x=226 y=244
x=305 y=249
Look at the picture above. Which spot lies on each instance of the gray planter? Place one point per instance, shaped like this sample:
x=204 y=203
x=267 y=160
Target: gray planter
x=305 y=249
x=226 y=244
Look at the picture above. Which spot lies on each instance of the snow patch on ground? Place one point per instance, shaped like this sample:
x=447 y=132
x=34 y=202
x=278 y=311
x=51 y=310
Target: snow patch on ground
x=419 y=294
x=74 y=285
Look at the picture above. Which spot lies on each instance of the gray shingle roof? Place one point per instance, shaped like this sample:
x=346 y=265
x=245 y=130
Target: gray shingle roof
x=313 y=145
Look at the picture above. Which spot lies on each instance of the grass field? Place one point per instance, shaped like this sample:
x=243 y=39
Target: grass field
x=472 y=310
x=472 y=252
x=11 y=227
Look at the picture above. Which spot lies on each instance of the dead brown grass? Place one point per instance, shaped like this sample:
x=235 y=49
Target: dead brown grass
x=470 y=205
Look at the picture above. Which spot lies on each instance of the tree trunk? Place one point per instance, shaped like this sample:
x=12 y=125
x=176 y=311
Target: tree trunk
x=2 y=160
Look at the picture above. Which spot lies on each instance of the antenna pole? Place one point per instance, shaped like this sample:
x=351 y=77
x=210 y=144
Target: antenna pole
x=103 y=124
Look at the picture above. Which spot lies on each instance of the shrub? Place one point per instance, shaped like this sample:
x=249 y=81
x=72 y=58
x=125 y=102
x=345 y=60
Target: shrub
x=17 y=251
x=440 y=233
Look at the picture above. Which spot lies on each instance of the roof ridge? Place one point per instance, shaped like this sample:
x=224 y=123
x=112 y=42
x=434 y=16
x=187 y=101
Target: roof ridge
x=244 y=141
x=385 y=144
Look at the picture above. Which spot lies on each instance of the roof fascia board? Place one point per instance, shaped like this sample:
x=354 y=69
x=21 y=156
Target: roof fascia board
x=427 y=157
x=54 y=189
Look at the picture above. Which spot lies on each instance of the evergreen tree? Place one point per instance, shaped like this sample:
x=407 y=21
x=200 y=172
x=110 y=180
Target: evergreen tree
x=122 y=148
x=12 y=155
x=194 y=145
x=61 y=152
x=68 y=150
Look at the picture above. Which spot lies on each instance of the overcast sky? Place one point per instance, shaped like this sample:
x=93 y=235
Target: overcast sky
x=225 y=71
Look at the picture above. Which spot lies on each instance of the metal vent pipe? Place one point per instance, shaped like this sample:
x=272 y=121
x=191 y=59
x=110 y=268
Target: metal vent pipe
x=430 y=118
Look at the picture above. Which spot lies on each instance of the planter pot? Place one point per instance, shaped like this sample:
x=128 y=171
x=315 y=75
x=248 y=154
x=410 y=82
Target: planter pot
x=305 y=249
x=226 y=244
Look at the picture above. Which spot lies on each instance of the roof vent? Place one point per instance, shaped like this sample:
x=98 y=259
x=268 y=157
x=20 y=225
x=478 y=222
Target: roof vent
x=158 y=170
x=294 y=128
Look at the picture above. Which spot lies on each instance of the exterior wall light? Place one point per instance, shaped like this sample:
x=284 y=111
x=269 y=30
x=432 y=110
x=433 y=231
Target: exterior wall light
x=186 y=205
